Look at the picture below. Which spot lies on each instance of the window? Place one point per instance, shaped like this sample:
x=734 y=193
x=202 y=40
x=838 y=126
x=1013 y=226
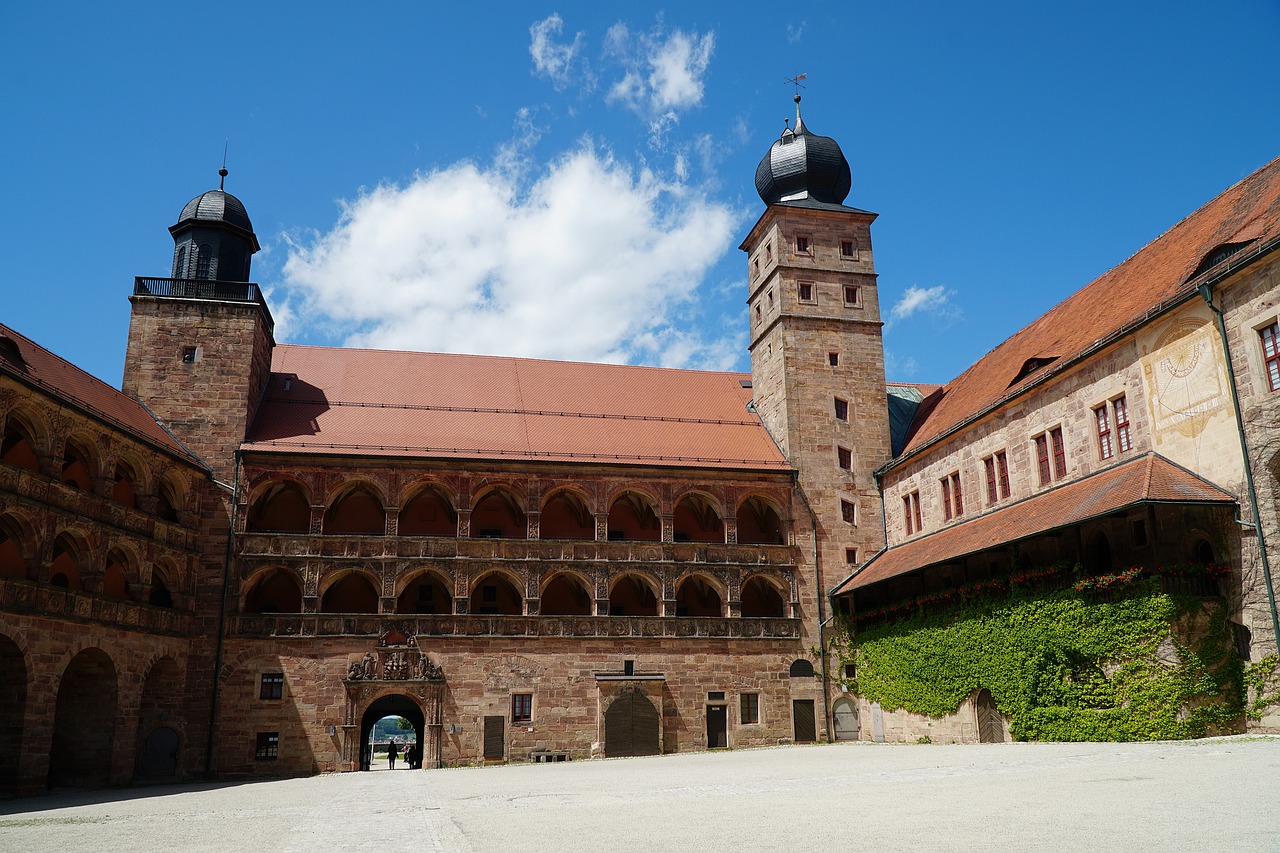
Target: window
x=845 y=457
x=911 y=512
x=755 y=268
x=521 y=707
x=946 y=498
x=848 y=249
x=204 y=258
x=757 y=313
x=749 y=708
x=842 y=409
x=189 y=355
x=802 y=244
x=1002 y=467
x=851 y=294
x=851 y=556
x=990 y=465
x=771 y=297
x=805 y=291
x=180 y=265
x=1270 y=336
x=267 y=747
x=849 y=511
x=1042 y=458
x=272 y=686
x=768 y=251
x=1105 y=450
x=955 y=493
x=833 y=359
x=1059 y=453
x=1121 y=410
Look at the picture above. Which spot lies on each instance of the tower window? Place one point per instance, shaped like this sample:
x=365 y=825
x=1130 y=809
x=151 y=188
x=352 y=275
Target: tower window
x=271 y=685
x=849 y=511
x=803 y=246
x=833 y=359
x=848 y=249
x=180 y=263
x=757 y=313
x=768 y=251
x=755 y=268
x=190 y=355
x=851 y=294
x=771 y=298
x=851 y=556
x=842 y=409
x=204 y=260
x=845 y=456
x=805 y=291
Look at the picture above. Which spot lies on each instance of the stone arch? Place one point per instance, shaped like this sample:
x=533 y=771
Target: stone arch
x=634 y=594
x=356 y=510
x=388 y=704
x=565 y=593
x=567 y=514
x=698 y=517
x=273 y=590
x=84 y=721
x=13 y=703
x=844 y=715
x=79 y=464
x=761 y=521
x=801 y=668
x=128 y=480
x=428 y=511
x=426 y=591
x=496 y=514
x=497 y=593
x=762 y=598
x=632 y=726
x=18 y=546
x=71 y=561
x=170 y=496
x=991 y=725
x=699 y=594
x=23 y=439
x=159 y=738
x=1200 y=549
x=162 y=584
x=119 y=572
x=633 y=515
x=281 y=506
x=350 y=591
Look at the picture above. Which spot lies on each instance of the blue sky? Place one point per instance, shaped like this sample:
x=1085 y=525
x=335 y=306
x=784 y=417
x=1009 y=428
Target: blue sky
x=562 y=181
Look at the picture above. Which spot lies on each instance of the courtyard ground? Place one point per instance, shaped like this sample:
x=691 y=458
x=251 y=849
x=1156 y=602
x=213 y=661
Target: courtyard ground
x=1216 y=794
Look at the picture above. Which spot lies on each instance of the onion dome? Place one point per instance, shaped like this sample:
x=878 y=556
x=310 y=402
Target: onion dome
x=217 y=206
x=803 y=166
x=213 y=238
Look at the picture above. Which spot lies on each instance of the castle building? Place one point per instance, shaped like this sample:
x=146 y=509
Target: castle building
x=241 y=561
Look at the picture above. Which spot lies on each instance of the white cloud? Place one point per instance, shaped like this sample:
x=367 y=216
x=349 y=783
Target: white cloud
x=795 y=32
x=551 y=58
x=932 y=301
x=585 y=259
x=664 y=73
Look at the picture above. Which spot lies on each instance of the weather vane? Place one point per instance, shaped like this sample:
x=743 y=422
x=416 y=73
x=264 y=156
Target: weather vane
x=795 y=81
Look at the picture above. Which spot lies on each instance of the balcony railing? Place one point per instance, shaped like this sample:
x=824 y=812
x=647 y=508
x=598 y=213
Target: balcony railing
x=618 y=627
x=199 y=288
x=18 y=596
x=285 y=545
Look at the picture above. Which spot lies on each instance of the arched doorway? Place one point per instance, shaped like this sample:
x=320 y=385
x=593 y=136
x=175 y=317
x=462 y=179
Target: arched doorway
x=13 y=703
x=392 y=705
x=159 y=758
x=845 y=719
x=158 y=738
x=990 y=723
x=84 y=722
x=631 y=726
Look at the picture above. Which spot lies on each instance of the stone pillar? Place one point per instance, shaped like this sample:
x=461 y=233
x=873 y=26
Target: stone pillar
x=535 y=525
x=731 y=530
x=464 y=524
x=668 y=528
x=317 y=520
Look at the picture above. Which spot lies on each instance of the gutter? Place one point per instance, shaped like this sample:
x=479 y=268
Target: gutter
x=1206 y=293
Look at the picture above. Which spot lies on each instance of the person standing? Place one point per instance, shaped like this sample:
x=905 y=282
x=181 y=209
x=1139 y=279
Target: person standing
x=393 y=752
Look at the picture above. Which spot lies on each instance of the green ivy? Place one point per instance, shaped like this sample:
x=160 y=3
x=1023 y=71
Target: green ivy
x=1063 y=666
x=1263 y=683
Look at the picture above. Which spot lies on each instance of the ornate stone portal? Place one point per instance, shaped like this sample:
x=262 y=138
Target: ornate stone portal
x=396 y=667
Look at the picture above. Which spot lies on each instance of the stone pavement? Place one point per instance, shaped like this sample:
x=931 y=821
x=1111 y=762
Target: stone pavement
x=1216 y=794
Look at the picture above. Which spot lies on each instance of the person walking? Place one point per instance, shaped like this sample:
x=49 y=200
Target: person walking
x=393 y=752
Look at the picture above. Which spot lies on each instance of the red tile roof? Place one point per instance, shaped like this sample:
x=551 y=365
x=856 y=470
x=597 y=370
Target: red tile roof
x=377 y=402
x=1246 y=212
x=1148 y=479
x=62 y=380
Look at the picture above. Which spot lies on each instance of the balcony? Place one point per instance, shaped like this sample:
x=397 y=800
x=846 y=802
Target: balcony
x=35 y=599
x=613 y=627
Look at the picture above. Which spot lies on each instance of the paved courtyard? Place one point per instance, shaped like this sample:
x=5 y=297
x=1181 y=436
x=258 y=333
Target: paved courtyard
x=1215 y=794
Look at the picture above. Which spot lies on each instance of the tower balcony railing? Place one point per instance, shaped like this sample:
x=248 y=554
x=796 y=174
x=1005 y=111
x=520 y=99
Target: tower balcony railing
x=199 y=288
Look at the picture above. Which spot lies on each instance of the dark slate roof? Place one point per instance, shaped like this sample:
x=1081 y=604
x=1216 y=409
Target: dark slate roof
x=803 y=166
x=216 y=206
x=904 y=401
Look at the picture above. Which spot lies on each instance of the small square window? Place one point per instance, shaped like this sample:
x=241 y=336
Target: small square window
x=851 y=671
x=842 y=409
x=833 y=359
x=267 y=747
x=851 y=294
x=849 y=511
x=851 y=556
x=848 y=249
x=749 y=707
x=189 y=355
x=272 y=685
x=757 y=313
x=805 y=290
x=771 y=297
x=845 y=455
x=755 y=268
x=521 y=707
x=768 y=251
x=802 y=245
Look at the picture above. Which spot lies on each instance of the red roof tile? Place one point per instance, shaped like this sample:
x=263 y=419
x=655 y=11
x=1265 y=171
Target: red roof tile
x=378 y=402
x=1148 y=479
x=62 y=380
x=1247 y=211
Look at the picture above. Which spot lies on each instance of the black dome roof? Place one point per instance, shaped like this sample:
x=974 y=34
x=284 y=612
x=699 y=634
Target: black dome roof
x=216 y=206
x=802 y=165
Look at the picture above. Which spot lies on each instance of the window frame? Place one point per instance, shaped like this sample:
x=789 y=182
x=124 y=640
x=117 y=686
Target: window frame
x=849 y=511
x=844 y=458
x=989 y=468
x=266 y=746
x=804 y=244
x=521 y=708
x=842 y=409
x=911 y=512
x=1042 y=458
x=1059 y=445
x=752 y=717
x=946 y=498
x=1102 y=418
x=852 y=245
x=1269 y=340
x=957 y=495
x=806 y=292
x=1002 y=469
x=270 y=683
x=1120 y=411
x=856 y=292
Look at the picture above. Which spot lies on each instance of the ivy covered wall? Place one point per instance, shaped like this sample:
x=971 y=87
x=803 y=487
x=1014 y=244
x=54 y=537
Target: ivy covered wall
x=1068 y=665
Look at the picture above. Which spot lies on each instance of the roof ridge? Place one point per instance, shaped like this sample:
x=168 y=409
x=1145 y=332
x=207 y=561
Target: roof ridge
x=1146 y=477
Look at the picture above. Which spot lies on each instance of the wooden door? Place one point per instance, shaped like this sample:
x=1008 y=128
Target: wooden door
x=717 y=727
x=806 y=728
x=631 y=726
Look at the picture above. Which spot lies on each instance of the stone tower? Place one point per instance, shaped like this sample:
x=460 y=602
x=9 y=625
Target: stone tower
x=817 y=358
x=199 y=351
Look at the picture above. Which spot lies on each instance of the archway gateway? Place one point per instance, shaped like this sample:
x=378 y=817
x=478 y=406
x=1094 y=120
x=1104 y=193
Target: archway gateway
x=395 y=680
x=391 y=705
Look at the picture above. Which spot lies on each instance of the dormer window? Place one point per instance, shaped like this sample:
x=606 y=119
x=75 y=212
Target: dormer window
x=1031 y=365
x=1218 y=255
